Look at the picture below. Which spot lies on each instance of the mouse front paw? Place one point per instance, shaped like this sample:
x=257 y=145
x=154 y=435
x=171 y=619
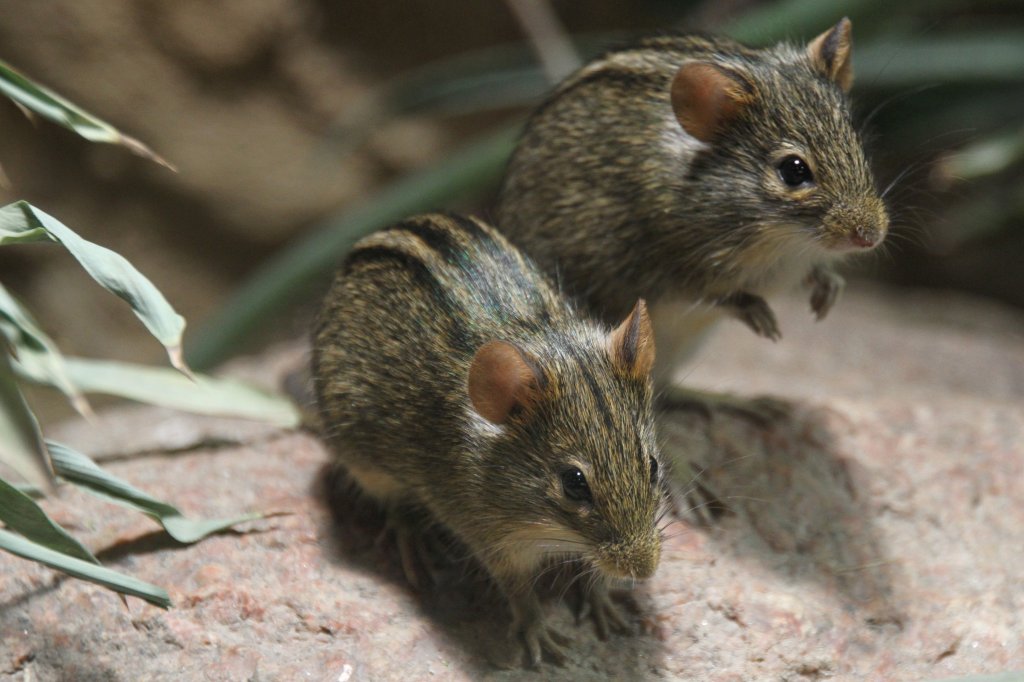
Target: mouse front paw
x=826 y=286
x=530 y=628
x=539 y=638
x=608 y=615
x=754 y=312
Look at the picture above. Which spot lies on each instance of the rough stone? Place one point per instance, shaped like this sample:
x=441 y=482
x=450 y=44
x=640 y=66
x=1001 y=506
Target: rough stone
x=874 y=534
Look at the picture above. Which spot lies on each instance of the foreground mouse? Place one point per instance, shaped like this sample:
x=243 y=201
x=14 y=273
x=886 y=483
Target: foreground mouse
x=451 y=376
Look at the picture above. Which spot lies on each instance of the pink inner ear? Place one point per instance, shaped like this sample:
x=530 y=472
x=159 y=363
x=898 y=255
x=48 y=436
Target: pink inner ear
x=704 y=98
x=500 y=380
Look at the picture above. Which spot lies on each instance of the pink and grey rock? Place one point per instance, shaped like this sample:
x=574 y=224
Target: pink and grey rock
x=875 y=535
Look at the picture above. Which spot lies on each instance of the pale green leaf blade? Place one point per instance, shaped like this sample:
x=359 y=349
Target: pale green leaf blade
x=21 y=444
x=20 y=513
x=76 y=468
x=111 y=270
x=51 y=106
x=15 y=544
x=12 y=234
x=36 y=352
x=164 y=387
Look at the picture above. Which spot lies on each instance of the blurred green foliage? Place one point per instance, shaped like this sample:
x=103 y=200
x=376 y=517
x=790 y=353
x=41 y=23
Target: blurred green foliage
x=28 y=354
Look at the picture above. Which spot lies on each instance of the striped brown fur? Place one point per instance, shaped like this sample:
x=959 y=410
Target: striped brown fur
x=606 y=188
x=396 y=338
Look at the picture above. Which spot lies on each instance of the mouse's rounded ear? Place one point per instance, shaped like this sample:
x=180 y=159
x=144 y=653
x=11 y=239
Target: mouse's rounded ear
x=503 y=379
x=707 y=96
x=831 y=54
x=631 y=344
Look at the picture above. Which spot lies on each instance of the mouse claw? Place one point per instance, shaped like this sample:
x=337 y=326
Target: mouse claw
x=753 y=311
x=530 y=627
x=607 y=615
x=542 y=639
x=826 y=286
x=412 y=552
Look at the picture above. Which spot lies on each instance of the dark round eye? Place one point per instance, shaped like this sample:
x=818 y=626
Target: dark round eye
x=794 y=171
x=574 y=484
x=654 y=471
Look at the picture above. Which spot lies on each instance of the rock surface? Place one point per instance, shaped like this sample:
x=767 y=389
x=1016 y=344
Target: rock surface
x=874 y=534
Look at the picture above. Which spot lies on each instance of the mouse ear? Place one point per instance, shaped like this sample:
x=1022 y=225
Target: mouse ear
x=831 y=54
x=631 y=344
x=706 y=96
x=502 y=379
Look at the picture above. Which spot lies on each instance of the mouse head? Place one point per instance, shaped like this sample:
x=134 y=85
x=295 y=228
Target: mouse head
x=573 y=465
x=778 y=138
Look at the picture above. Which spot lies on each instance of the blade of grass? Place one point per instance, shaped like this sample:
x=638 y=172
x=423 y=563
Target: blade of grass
x=990 y=57
x=20 y=513
x=111 y=270
x=483 y=79
x=48 y=104
x=986 y=157
x=15 y=544
x=76 y=468
x=289 y=275
x=21 y=443
x=34 y=348
x=167 y=388
x=800 y=19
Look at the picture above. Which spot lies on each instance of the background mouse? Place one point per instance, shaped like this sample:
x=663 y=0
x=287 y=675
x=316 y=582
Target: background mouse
x=452 y=377
x=700 y=174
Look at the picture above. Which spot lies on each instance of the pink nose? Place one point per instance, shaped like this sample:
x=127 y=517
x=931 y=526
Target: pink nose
x=862 y=241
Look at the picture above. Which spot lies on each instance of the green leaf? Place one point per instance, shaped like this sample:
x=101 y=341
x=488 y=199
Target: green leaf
x=15 y=544
x=975 y=58
x=986 y=157
x=493 y=77
x=37 y=351
x=165 y=387
x=109 y=269
x=21 y=444
x=20 y=513
x=76 y=468
x=48 y=104
x=793 y=18
x=288 y=276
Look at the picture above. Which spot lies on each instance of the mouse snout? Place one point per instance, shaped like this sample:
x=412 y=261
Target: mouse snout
x=858 y=226
x=636 y=558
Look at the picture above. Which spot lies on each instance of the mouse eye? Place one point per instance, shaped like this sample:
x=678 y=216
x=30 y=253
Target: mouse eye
x=654 y=471
x=794 y=171
x=574 y=485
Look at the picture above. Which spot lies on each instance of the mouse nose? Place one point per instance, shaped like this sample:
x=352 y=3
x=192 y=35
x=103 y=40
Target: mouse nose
x=863 y=240
x=637 y=559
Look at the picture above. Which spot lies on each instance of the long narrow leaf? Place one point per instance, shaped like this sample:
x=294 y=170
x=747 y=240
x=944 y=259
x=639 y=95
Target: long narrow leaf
x=483 y=79
x=986 y=157
x=76 y=468
x=109 y=269
x=165 y=387
x=289 y=275
x=20 y=513
x=991 y=57
x=21 y=443
x=50 y=105
x=794 y=18
x=35 y=349
x=15 y=544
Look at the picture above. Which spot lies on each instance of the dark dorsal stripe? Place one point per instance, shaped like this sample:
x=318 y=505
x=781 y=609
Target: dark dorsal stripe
x=620 y=76
x=585 y=365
